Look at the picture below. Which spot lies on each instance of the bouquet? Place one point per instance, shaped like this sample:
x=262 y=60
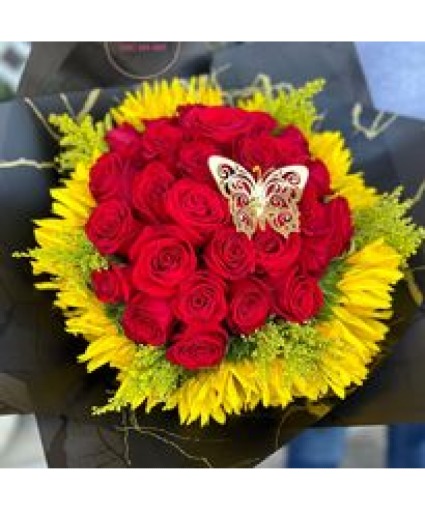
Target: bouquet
x=217 y=252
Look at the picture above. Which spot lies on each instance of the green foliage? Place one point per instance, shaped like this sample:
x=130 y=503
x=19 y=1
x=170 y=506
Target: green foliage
x=78 y=253
x=329 y=285
x=240 y=347
x=299 y=344
x=296 y=106
x=388 y=219
x=80 y=140
x=150 y=374
x=287 y=104
x=84 y=256
x=269 y=341
x=114 y=312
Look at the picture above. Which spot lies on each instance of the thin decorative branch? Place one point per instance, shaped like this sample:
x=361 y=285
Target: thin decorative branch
x=378 y=126
x=23 y=162
x=89 y=103
x=39 y=115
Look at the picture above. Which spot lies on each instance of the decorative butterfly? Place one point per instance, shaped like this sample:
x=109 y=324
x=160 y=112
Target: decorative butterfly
x=271 y=198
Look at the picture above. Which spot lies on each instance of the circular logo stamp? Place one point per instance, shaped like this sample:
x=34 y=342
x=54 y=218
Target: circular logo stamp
x=142 y=60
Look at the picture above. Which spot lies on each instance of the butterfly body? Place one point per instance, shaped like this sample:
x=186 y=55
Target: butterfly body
x=270 y=199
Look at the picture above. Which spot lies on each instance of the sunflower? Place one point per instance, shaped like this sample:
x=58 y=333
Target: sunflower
x=325 y=356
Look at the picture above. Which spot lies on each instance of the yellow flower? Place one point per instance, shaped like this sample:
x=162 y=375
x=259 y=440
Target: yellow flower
x=57 y=239
x=352 y=334
x=330 y=148
x=357 y=326
x=163 y=98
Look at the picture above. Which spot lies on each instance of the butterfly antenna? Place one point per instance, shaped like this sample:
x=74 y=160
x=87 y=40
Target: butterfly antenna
x=257 y=171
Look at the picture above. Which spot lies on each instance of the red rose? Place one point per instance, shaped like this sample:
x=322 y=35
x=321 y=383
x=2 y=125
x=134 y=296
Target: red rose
x=275 y=253
x=267 y=151
x=111 y=285
x=293 y=146
x=201 y=299
x=127 y=142
x=162 y=259
x=262 y=150
x=341 y=225
x=109 y=177
x=298 y=297
x=294 y=138
x=123 y=137
x=327 y=231
x=315 y=230
x=230 y=254
x=198 y=347
x=314 y=257
x=147 y=320
x=223 y=124
x=149 y=189
x=161 y=140
x=314 y=220
x=111 y=227
x=250 y=305
x=193 y=160
x=318 y=177
x=197 y=208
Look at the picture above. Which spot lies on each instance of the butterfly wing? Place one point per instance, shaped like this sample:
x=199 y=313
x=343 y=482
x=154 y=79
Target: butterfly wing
x=282 y=190
x=239 y=187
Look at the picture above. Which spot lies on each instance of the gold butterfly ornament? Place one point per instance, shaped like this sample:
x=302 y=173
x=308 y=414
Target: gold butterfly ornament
x=272 y=198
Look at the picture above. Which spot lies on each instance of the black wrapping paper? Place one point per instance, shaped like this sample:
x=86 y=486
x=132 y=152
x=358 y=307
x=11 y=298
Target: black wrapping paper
x=74 y=66
x=38 y=371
